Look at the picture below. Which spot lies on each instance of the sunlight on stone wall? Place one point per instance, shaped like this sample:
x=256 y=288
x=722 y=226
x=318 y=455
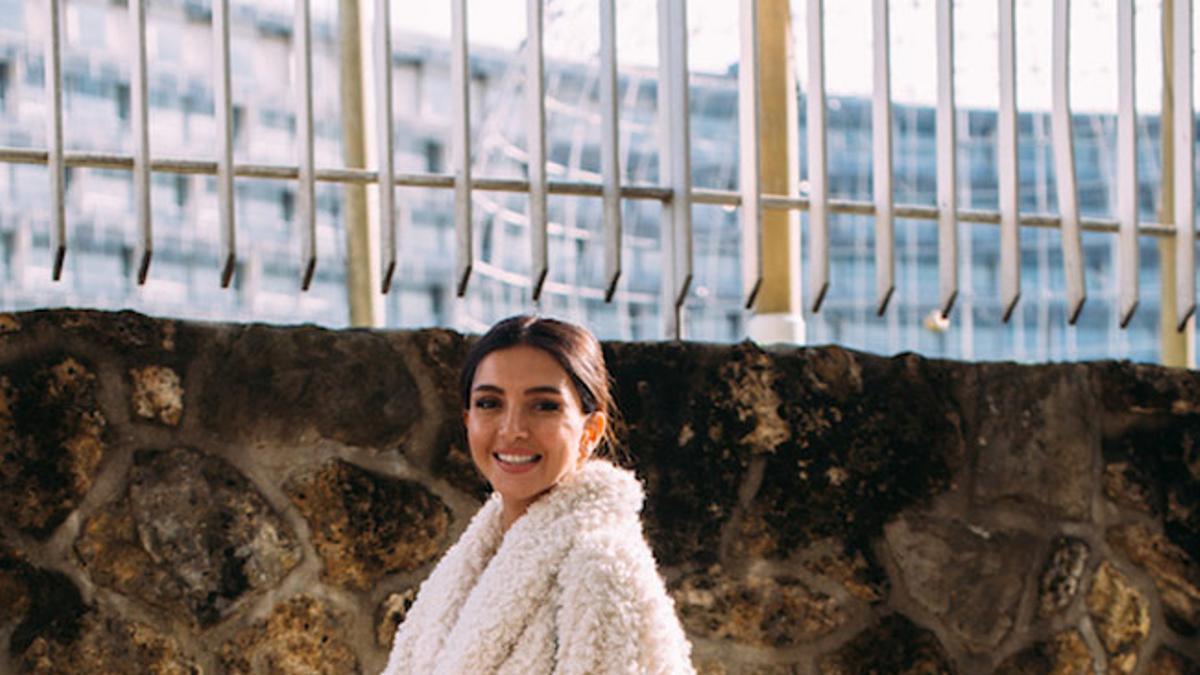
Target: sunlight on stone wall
x=179 y=498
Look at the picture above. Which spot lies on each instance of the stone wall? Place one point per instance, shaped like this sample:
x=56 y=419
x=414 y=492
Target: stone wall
x=180 y=497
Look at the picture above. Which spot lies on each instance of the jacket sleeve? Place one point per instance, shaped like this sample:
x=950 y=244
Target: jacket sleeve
x=614 y=614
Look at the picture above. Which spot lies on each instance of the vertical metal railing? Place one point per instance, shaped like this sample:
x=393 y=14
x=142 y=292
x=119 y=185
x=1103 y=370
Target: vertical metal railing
x=1185 y=168
x=1064 y=161
x=748 y=160
x=223 y=112
x=1007 y=169
x=1127 y=174
x=881 y=140
x=610 y=135
x=535 y=99
x=306 y=195
x=460 y=84
x=675 y=161
x=54 y=138
x=675 y=189
x=384 y=134
x=818 y=184
x=141 y=140
x=947 y=162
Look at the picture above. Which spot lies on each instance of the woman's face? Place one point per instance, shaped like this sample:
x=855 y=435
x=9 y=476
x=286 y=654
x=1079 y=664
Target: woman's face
x=525 y=426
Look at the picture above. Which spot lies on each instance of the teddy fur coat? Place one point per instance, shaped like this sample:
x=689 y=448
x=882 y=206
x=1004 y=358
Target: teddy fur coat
x=570 y=588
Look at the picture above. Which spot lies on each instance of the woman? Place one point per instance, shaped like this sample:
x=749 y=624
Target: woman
x=553 y=574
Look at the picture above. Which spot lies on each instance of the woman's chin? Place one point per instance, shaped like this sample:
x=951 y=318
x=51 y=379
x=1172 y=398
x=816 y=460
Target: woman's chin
x=519 y=488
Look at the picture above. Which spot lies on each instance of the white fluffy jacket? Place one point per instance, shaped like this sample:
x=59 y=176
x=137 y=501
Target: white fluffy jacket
x=570 y=588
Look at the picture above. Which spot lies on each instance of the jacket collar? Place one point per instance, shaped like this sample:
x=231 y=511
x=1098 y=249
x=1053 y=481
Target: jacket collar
x=488 y=600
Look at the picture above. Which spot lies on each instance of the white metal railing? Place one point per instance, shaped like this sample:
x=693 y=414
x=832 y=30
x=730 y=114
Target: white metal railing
x=675 y=191
x=1064 y=161
x=1185 y=168
x=881 y=142
x=818 y=185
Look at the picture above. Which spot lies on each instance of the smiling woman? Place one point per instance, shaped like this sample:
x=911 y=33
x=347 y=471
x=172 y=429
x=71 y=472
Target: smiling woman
x=553 y=574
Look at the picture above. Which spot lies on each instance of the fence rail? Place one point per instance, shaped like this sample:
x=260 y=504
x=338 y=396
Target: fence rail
x=675 y=190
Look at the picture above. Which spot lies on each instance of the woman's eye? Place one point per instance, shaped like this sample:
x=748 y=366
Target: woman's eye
x=486 y=403
x=547 y=406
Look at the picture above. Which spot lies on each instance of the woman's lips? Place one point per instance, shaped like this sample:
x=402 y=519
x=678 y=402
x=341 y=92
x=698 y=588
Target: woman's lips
x=516 y=462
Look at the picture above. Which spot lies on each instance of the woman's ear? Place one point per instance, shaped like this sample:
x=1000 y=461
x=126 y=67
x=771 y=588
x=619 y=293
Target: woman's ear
x=593 y=431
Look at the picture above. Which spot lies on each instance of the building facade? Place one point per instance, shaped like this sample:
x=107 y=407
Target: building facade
x=184 y=274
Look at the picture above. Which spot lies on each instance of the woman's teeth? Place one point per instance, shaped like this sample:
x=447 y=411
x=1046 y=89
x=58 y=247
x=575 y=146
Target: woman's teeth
x=517 y=459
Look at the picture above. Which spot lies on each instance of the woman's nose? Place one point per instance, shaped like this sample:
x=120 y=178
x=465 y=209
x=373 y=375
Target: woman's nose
x=513 y=423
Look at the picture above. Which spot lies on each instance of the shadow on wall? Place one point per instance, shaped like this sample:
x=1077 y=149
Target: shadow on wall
x=179 y=497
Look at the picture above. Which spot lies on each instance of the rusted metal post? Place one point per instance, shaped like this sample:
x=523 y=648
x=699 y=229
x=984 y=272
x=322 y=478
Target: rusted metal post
x=777 y=308
x=358 y=240
x=1178 y=347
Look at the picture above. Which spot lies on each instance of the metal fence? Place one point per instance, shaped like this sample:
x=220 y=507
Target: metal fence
x=674 y=189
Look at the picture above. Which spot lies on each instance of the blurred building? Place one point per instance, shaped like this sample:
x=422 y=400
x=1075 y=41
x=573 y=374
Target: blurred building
x=184 y=274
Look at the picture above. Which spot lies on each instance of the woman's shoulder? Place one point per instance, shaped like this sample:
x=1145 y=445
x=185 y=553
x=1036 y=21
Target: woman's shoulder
x=600 y=492
x=614 y=558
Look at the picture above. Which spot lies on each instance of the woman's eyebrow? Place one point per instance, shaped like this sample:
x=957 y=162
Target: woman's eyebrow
x=541 y=389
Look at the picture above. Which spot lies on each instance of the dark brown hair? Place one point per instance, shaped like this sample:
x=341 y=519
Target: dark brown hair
x=576 y=350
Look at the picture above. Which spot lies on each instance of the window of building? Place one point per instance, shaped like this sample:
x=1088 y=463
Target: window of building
x=433 y=156
x=121 y=93
x=239 y=114
x=168 y=39
x=85 y=25
x=34 y=70
x=287 y=205
x=12 y=15
x=4 y=70
x=181 y=190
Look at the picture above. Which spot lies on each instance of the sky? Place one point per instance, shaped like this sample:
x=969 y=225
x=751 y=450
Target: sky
x=572 y=32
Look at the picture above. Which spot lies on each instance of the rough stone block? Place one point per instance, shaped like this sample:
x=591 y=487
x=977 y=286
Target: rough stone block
x=895 y=646
x=441 y=354
x=970 y=578
x=110 y=645
x=756 y=401
x=1125 y=484
x=1175 y=573
x=1061 y=575
x=366 y=526
x=1121 y=615
x=125 y=333
x=301 y=635
x=45 y=605
x=391 y=614
x=1167 y=661
x=1146 y=391
x=53 y=438
x=457 y=468
x=39 y=606
x=851 y=570
x=282 y=384
x=1064 y=654
x=691 y=481
x=1159 y=458
x=9 y=323
x=855 y=459
x=711 y=667
x=1035 y=437
x=157 y=394
x=771 y=612
x=14 y=594
x=192 y=534
x=113 y=556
